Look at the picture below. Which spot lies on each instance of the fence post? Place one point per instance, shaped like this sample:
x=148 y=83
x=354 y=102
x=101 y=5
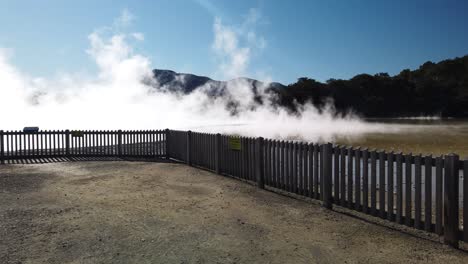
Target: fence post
x=259 y=163
x=327 y=175
x=119 y=142
x=451 y=209
x=2 y=153
x=189 y=139
x=217 y=153
x=67 y=143
x=167 y=143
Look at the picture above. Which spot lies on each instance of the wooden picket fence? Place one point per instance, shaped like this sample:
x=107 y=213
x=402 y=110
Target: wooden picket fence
x=426 y=193
x=17 y=145
x=422 y=192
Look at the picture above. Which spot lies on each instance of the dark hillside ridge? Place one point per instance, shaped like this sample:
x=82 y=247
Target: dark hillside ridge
x=186 y=82
x=434 y=89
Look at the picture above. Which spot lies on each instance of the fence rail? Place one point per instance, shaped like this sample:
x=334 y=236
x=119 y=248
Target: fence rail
x=423 y=192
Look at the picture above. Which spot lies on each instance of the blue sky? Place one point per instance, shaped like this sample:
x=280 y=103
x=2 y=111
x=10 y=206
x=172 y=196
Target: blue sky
x=317 y=39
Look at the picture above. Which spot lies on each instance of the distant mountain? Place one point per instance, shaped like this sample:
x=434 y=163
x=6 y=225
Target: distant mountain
x=187 y=83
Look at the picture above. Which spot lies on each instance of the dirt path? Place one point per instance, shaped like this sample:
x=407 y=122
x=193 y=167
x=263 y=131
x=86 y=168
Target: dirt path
x=135 y=212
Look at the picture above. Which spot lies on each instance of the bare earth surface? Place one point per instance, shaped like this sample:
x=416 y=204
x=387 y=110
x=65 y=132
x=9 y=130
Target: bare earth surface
x=137 y=212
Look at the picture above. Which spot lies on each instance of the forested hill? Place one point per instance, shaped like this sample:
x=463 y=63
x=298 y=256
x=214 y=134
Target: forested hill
x=433 y=89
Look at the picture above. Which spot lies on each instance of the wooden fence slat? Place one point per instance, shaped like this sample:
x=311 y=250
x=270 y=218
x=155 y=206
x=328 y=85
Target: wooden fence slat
x=135 y=143
x=268 y=163
x=279 y=166
x=235 y=157
x=465 y=200
x=390 y=184
x=428 y=193
x=357 y=184
x=243 y=159
x=320 y=185
x=95 y=143
x=155 y=147
x=399 y=203
x=451 y=203
x=28 y=148
x=365 y=181
x=438 y=200
x=382 y=184
x=247 y=157
x=417 y=192
x=205 y=151
x=287 y=174
x=310 y=172
x=327 y=175
x=316 y=172
x=295 y=147
x=343 y=176
x=373 y=183
x=286 y=165
x=275 y=177
x=7 y=144
x=83 y=145
x=408 y=183
x=283 y=164
x=36 y=145
x=274 y=160
x=350 y=177
x=300 y=170
x=17 y=152
x=336 y=173
x=272 y=180
x=3 y=141
x=305 y=150
x=252 y=159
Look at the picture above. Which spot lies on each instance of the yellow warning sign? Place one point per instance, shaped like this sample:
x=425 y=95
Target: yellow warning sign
x=234 y=143
x=77 y=133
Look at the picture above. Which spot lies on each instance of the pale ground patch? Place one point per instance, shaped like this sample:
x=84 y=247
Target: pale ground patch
x=146 y=212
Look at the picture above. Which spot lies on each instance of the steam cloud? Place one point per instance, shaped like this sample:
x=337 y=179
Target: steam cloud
x=119 y=97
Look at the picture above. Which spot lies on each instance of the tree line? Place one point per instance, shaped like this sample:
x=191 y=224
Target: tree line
x=432 y=89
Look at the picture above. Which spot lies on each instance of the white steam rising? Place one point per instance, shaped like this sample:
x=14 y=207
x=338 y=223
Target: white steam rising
x=117 y=98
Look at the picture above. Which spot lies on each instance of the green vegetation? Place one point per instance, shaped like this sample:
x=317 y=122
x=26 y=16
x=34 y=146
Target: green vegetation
x=433 y=89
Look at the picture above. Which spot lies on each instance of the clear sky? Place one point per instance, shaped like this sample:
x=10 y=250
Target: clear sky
x=284 y=40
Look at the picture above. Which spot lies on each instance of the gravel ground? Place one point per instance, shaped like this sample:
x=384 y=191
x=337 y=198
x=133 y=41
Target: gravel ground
x=146 y=212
